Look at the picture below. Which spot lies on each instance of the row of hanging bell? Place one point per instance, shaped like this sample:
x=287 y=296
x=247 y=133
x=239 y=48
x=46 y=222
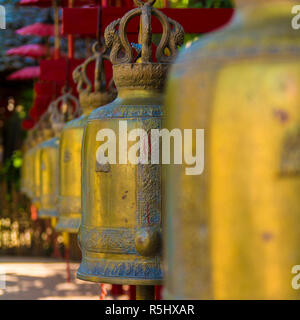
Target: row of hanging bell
x=90 y=96
x=120 y=231
x=31 y=165
x=61 y=110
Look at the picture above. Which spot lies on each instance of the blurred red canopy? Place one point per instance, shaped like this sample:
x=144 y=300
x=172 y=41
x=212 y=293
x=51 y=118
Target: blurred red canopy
x=37 y=29
x=29 y=50
x=25 y=73
x=49 y=3
x=192 y=20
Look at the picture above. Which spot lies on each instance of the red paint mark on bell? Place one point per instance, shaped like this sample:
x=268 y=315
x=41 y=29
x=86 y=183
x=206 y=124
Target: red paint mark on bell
x=267 y=236
x=281 y=115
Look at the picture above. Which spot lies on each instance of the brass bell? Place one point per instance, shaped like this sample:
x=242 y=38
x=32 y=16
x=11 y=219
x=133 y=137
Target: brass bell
x=232 y=232
x=120 y=230
x=69 y=202
x=42 y=132
x=49 y=165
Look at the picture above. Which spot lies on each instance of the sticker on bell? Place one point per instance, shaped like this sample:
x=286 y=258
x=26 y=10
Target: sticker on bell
x=2 y=278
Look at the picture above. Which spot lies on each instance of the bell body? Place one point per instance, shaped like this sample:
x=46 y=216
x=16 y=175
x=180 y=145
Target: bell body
x=24 y=174
x=49 y=179
x=121 y=218
x=36 y=172
x=232 y=232
x=69 y=200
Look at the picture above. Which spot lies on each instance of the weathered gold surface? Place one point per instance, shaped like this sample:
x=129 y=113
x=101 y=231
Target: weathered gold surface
x=69 y=201
x=41 y=132
x=232 y=233
x=36 y=172
x=120 y=232
x=58 y=111
x=65 y=108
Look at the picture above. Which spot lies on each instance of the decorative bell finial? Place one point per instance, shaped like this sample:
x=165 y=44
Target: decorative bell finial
x=172 y=36
x=63 y=109
x=94 y=95
x=147 y=74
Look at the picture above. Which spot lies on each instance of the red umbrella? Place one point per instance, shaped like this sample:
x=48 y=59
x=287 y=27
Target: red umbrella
x=25 y=74
x=29 y=50
x=37 y=29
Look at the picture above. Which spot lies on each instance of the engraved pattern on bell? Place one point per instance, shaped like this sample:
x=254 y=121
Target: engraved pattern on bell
x=67 y=156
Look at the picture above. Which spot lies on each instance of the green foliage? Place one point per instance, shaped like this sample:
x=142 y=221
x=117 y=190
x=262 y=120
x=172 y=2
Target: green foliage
x=17 y=159
x=10 y=170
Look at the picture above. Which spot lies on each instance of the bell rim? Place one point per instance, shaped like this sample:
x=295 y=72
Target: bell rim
x=123 y=281
x=66 y=224
x=47 y=213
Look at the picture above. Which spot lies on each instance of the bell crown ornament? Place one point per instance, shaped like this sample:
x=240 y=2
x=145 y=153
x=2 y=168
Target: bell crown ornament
x=46 y=126
x=65 y=108
x=92 y=95
x=30 y=139
x=147 y=74
x=39 y=128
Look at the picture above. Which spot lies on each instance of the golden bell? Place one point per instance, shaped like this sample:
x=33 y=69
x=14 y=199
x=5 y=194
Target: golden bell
x=232 y=232
x=49 y=161
x=120 y=230
x=41 y=133
x=71 y=141
x=49 y=178
x=29 y=164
